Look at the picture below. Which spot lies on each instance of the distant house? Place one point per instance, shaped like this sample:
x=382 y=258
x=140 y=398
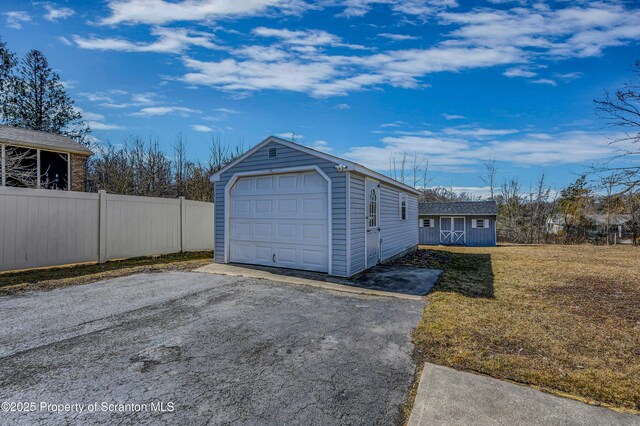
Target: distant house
x=619 y=225
x=470 y=223
x=33 y=159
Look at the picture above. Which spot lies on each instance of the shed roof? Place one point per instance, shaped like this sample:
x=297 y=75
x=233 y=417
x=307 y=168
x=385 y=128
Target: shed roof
x=42 y=140
x=348 y=165
x=471 y=208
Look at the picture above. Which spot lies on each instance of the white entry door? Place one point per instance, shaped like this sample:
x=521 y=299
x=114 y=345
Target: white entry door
x=372 y=208
x=280 y=220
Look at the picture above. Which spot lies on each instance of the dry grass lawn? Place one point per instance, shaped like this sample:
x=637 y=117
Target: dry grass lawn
x=56 y=277
x=565 y=319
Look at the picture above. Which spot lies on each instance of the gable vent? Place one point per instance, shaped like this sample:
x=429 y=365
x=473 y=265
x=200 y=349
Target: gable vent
x=273 y=152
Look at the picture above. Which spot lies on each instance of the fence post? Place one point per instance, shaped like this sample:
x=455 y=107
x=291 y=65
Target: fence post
x=102 y=227
x=183 y=225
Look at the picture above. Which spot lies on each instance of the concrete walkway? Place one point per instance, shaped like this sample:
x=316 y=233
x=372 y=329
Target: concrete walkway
x=311 y=279
x=449 y=397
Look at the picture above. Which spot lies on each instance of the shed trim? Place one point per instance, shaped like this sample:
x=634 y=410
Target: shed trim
x=236 y=176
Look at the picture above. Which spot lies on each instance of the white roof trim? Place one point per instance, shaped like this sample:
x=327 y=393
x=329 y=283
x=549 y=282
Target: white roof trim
x=351 y=166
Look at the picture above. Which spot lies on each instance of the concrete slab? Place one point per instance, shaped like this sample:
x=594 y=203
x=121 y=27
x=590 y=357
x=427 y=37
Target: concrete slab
x=311 y=279
x=221 y=350
x=398 y=279
x=450 y=397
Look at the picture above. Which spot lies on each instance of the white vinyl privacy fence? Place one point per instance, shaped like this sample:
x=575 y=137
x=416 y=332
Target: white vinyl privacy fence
x=44 y=228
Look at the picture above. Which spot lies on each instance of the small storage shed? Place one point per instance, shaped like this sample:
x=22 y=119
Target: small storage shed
x=471 y=223
x=286 y=205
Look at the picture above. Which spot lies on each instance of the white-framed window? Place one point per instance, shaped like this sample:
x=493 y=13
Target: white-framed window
x=427 y=223
x=373 y=208
x=480 y=223
x=402 y=206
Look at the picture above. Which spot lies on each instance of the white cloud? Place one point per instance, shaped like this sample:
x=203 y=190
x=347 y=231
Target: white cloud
x=54 y=13
x=580 y=30
x=164 y=110
x=477 y=132
x=398 y=37
x=423 y=8
x=324 y=75
x=96 y=121
x=452 y=116
x=545 y=81
x=201 y=128
x=305 y=38
x=168 y=40
x=163 y=11
x=308 y=60
x=16 y=18
x=321 y=145
x=569 y=75
x=452 y=153
x=519 y=72
x=343 y=106
x=97 y=125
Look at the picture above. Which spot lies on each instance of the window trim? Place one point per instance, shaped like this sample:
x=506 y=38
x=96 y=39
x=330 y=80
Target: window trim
x=371 y=216
x=402 y=206
x=3 y=171
x=432 y=222
x=485 y=223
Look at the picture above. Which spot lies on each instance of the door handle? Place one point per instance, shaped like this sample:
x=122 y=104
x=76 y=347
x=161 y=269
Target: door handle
x=274 y=258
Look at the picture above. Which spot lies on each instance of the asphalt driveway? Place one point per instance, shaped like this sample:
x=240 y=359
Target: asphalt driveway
x=211 y=349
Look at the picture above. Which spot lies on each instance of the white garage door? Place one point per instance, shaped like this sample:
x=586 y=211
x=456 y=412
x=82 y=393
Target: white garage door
x=280 y=220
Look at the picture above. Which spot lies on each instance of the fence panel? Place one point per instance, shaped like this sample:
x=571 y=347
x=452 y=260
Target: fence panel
x=198 y=226
x=45 y=228
x=142 y=226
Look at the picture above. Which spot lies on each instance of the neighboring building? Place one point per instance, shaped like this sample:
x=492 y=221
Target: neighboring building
x=619 y=225
x=35 y=159
x=286 y=205
x=470 y=223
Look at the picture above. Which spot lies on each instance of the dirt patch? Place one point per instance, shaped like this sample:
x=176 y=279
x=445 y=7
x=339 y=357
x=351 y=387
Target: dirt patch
x=598 y=298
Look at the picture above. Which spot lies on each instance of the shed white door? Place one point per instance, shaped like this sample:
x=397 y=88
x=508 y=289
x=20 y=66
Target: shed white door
x=280 y=220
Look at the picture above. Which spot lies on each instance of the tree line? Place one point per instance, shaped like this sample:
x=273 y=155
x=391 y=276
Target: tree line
x=140 y=167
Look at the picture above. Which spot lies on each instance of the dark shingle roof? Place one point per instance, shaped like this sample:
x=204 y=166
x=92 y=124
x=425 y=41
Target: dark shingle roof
x=460 y=207
x=43 y=140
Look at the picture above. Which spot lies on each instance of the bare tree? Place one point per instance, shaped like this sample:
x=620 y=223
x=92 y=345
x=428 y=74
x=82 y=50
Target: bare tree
x=20 y=167
x=621 y=109
x=489 y=177
x=180 y=165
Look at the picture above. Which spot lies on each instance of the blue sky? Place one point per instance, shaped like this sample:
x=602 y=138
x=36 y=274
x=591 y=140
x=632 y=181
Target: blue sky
x=456 y=82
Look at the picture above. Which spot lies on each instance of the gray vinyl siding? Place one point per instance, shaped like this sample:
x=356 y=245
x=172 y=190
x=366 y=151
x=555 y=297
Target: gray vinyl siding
x=474 y=237
x=396 y=235
x=481 y=237
x=286 y=158
x=430 y=236
x=357 y=223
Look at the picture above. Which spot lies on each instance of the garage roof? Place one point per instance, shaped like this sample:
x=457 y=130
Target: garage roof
x=462 y=208
x=349 y=165
x=41 y=140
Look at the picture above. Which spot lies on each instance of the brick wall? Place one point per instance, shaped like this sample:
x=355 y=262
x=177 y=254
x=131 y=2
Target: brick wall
x=78 y=172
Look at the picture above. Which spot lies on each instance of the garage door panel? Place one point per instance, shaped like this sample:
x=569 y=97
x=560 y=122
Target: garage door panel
x=314 y=257
x=264 y=207
x=281 y=215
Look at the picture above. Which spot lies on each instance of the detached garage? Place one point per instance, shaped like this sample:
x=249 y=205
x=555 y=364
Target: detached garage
x=286 y=205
